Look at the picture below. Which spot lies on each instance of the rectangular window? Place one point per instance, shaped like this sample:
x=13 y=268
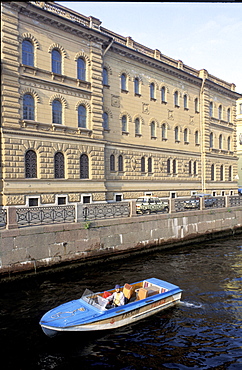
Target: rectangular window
x=86 y=199
x=33 y=202
x=61 y=200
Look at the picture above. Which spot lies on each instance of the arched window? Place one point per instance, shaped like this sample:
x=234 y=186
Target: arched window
x=82 y=116
x=230 y=173
x=211 y=140
x=137 y=126
x=228 y=115
x=221 y=173
x=136 y=86
x=220 y=112
x=59 y=165
x=229 y=143
x=105 y=121
x=176 y=100
x=124 y=124
x=105 y=76
x=195 y=167
x=168 y=166
x=152 y=129
x=196 y=138
x=112 y=162
x=28 y=107
x=149 y=164
x=220 y=141
x=174 y=166
x=143 y=164
x=81 y=69
x=163 y=94
x=190 y=167
x=123 y=82
x=185 y=101
x=152 y=91
x=27 y=53
x=56 y=112
x=164 y=131
x=56 y=61
x=120 y=163
x=30 y=164
x=212 y=172
x=84 y=167
x=196 y=105
x=176 y=133
x=186 y=135
x=211 y=109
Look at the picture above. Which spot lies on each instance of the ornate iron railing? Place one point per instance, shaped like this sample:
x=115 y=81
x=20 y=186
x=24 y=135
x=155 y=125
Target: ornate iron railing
x=45 y=215
x=3 y=217
x=100 y=211
x=235 y=200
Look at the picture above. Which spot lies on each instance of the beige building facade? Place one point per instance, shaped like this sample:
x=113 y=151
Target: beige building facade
x=239 y=141
x=89 y=115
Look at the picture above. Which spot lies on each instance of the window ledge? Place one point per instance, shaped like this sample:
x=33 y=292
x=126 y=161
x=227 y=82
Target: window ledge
x=153 y=137
x=138 y=135
x=137 y=94
x=163 y=102
x=57 y=76
x=124 y=91
x=125 y=133
x=153 y=99
x=186 y=108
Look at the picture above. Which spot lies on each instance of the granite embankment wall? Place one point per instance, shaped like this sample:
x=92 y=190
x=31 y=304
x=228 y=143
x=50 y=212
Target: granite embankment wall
x=31 y=249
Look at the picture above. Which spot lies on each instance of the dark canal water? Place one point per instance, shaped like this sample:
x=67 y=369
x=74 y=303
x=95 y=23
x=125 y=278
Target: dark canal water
x=203 y=332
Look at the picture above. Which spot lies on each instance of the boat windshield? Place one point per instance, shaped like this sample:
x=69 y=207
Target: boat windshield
x=94 y=299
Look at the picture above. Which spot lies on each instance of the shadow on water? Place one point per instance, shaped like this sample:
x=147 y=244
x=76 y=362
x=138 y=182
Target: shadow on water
x=203 y=332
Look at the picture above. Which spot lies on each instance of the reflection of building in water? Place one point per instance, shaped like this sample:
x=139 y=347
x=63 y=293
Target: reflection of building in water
x=91 y=115
x=239 y=140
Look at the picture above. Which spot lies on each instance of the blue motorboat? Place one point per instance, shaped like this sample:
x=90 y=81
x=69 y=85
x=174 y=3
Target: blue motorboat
x=90 y=312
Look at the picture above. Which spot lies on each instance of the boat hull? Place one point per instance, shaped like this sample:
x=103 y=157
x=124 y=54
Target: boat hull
x=123 y=316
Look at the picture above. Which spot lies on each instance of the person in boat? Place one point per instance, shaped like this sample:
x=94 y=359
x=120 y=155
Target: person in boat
x=116 y=299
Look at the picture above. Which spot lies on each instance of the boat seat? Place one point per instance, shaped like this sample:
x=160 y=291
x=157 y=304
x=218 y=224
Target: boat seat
x=128 y=292
x=142 y=294
x=152 y=290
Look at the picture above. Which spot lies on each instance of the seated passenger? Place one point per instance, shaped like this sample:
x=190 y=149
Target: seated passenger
x=116 y=299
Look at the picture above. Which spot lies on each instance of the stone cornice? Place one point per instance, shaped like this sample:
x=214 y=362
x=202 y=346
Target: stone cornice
x=41 y=14
x=154 y=63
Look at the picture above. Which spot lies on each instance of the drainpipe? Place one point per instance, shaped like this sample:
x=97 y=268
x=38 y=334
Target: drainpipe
x=203 y=155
